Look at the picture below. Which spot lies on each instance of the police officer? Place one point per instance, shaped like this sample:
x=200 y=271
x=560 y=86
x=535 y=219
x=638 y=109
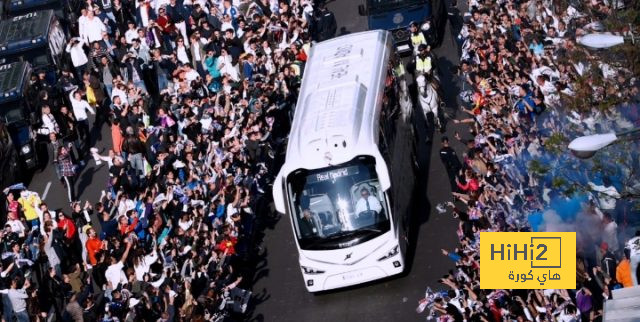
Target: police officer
x=453 y=15
x=417 y=36
x=326 y=25
x=451 y=162
x=423 y=60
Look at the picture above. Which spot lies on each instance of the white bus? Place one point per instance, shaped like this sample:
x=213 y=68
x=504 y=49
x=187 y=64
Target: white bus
x=346 y=184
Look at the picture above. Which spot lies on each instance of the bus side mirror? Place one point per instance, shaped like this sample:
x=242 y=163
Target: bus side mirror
x=278 y=194
x=362 y=10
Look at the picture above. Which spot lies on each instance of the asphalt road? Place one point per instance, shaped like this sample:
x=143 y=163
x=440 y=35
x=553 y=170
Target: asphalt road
x=279 y=290
x=91 y=180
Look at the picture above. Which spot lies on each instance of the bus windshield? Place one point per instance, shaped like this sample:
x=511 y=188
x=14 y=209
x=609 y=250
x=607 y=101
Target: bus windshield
x=339 y=206
x=38 y=58
x=11 y=112
x=380 y=6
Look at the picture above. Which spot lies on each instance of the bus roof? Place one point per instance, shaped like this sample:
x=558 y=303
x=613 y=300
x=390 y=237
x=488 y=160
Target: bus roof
x=339 y=101
x=25 y=32
x=16 y=6
x=12 y=80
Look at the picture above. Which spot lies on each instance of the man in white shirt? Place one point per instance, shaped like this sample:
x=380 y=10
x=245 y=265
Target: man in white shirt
x=93 y=28
x=119 y=91
x=131 y=33
x=82 y=22
x=78 y=57
x=17 y=297
x=367 y=203
x=190 y=73
x=80 y=108
x=227 y=23
x=114 y=274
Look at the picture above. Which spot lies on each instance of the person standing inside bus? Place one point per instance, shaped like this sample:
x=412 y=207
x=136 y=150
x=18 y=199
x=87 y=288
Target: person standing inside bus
x=308 y=226
x=367 y=203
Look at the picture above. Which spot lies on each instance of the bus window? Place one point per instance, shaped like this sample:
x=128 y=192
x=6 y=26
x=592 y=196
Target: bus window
x=379 y=6
x=338 y=207
x=56 y=39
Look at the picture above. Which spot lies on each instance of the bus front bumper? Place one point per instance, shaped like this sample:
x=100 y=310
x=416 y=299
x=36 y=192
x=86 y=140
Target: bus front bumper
x=340 y=276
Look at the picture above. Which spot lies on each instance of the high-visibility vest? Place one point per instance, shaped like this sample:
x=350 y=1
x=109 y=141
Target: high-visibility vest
x=423 y=65
x=417 y=39
x=399 y=70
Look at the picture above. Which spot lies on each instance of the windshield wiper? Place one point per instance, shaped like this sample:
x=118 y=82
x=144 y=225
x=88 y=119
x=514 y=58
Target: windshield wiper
x=369 y=229
x=339 y=234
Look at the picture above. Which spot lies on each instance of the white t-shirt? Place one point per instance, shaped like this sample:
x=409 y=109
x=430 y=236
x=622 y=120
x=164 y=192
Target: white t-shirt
x=145 y=265
x=191 y=75
x=118 y=92
x=374 y=204
x=16 y=226
x=93 y=29
x=144 y=16
x=182 y=55
x=130 y=35
x=185 y=225
x=115 y=275
x=80 y=108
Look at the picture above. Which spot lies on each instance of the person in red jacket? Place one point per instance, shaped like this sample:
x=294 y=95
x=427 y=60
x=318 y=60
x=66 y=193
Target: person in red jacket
x=471 y=184
x=124 y=227
x=66 y=224
x=94 y=244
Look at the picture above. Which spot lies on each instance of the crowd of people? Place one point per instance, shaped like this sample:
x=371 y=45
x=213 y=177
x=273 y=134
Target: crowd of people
x=198 y=97
x=520 y=65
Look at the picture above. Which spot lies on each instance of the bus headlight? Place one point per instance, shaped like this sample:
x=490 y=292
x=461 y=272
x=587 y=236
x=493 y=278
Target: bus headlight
x=311 y=271
x=25 y=149
x=393 y=252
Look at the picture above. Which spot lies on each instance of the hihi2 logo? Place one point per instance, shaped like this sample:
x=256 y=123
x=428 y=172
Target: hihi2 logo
x=527 y=260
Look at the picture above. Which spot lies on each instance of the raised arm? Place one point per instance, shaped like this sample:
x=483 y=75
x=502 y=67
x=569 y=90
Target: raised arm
x=126 y=251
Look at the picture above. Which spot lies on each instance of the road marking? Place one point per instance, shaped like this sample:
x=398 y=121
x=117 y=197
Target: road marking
x=46 y=190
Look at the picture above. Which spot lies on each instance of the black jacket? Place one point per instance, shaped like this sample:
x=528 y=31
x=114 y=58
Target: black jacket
x=450 y=159
x=133 y=145
x=326 y=25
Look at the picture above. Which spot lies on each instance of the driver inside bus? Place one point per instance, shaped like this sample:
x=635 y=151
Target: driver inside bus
x=308 y=224
x=367 y=203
